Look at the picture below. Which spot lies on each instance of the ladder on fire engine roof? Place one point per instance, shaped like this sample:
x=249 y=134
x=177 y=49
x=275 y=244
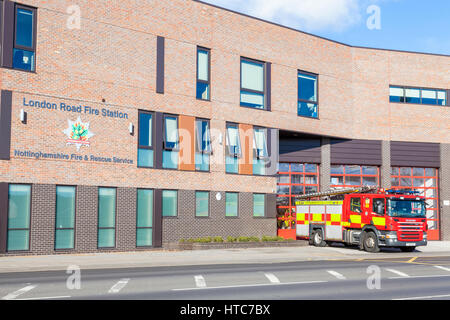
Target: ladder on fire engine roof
x=337 y=192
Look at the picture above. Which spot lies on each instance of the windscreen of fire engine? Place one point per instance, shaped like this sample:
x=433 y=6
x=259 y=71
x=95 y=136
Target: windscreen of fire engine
x=406 y=208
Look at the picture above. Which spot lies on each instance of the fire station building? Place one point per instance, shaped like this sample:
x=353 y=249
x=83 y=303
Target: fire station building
x=128 y=125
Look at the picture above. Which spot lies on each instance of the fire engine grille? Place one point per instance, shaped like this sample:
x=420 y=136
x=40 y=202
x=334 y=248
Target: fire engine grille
x=410 y=231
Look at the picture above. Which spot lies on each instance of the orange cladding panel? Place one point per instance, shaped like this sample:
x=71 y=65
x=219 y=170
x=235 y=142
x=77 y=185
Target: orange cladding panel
x=246 y=161
x=187 y=143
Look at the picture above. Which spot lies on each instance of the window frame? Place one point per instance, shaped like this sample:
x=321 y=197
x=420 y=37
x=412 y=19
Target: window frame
x=115 y=218
x=307 y=73
x=242 y=89
x=165 y=148
x=74 y=219
x=199 y=48
x=29 y=219
x=209 y=204
x=197 y=142
x=228 y=153
x=253 y=207
x=162 y=204
x=137 y=213
x=18 y=6
x=446 y=92
x=237 y=205
x=139 y=146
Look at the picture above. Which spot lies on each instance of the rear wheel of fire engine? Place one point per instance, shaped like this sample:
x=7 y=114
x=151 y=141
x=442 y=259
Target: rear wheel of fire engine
x=371 y=242
x=407 y=249
x=318 y=238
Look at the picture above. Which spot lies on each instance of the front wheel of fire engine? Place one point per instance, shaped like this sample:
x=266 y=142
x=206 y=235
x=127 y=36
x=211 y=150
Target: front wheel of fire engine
x=318 y=238
x=371 y=242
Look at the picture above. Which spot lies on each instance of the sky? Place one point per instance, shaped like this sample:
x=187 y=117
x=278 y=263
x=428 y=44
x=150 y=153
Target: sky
x=410 y=25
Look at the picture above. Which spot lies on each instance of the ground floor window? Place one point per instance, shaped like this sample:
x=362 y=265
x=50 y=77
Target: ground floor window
x=231 y=204
x=259 y=204
x=144 y=219
x=425 y=181
x=348 y=176
x=65 y=217
x=106 y=217
x=19 y=210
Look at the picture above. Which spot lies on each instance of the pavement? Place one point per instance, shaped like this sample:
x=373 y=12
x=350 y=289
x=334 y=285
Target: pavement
x=163 y=258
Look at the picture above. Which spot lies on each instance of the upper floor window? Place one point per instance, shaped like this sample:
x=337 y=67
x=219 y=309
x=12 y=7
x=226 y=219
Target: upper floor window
x=145 y=148
x=203 y=74
x=171 y=142
x=252 y=84
x=417 y=95
x=24 y=38
x=307 y=95
x=203 y=148
x=233 y=149
x=260 y=150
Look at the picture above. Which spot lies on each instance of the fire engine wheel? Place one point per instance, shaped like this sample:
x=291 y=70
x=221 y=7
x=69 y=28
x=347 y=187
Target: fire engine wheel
x=317 y=238
x=371 y=242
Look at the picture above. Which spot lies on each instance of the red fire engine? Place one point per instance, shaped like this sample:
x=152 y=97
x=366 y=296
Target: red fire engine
x=367 y=217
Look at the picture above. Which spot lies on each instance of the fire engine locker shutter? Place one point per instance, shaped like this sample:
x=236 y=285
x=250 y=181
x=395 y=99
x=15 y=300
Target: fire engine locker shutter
x=302 y=212
x=415 y=154
x=360 y=152
x=5 y=124
x=3 y=215
x=271 y=205
x=334 y=232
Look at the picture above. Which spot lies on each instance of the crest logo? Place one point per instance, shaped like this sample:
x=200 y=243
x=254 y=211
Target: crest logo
x=78 y=133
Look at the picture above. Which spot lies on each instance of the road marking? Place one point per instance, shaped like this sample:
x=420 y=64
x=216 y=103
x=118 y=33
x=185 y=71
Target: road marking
x=19 y=292
x=119 y=286
x=200 y=282
x=424 y=297
x=442 y=268
x=272 y=278
x=249 y=285
x=399 y=273
x=336 y=274
x=46 y=298
x=426 y=276
x=412 y=259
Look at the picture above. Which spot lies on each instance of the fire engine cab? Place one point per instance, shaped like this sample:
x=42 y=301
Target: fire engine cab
x=368 y=217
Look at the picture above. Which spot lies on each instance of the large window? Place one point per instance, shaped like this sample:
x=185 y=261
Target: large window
x=203 y=148
x=145 y=148
x=65 y=217
x=259 y=205
x=233 y=149
x=418 y=95
x=260 y=150
x=354 y=176
x=252 y=84
x=24 y=38
x=202 y=204
x=231 y=204
x=19 y=206
x=203 y=74
x=106 y=218
x=171 y=142
x=425 y=182
x=307 y=95
x=169 y=203
x=144 y=219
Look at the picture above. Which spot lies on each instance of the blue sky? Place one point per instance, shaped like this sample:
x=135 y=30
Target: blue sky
x=411 y=25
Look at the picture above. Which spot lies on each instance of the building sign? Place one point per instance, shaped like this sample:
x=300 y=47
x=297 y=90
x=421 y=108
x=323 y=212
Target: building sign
x=78 y=133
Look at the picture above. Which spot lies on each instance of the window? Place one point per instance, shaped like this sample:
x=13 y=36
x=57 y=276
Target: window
x=24 y=38
x=171 y=142
x=379 y=206
x=233 y=149
x=145 y=148
x=202 y=204
x=19 y=206
x=106 y=218
x=355 y=205
x=252 y=84
x=203 y=74
x=203 y=145
x=169 y=203
x=231 y=204
x=260 y=150
x=65 y=217
x=259 y=202
x=144 y=219
x=307 y=95
x=343 y=176
x=418 y=95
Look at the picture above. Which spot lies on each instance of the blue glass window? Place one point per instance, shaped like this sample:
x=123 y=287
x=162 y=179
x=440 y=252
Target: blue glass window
x=252 y=84
x=259 y=201
x=145 y=150
x=144 y=219
x=202 y=204
x=203 y=74
x=171 y=142
x=233 y=149
x=65 y=217
x=202 y=145
x=307 y=95
x=260 y=151
x=24 y=42
x=106 y=218
x=19 y=205
x=169 y=203
x=417 y=95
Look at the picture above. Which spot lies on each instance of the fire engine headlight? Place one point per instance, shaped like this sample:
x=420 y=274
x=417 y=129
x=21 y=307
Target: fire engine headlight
x=424 y=235
x=391 y=236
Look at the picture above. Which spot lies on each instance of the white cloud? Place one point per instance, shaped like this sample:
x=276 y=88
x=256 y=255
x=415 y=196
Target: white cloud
x=308 y=15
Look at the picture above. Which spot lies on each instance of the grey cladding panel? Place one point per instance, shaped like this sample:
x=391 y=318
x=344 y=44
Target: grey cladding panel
x=363 y=152
x=415 y=154
x=300 y=150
